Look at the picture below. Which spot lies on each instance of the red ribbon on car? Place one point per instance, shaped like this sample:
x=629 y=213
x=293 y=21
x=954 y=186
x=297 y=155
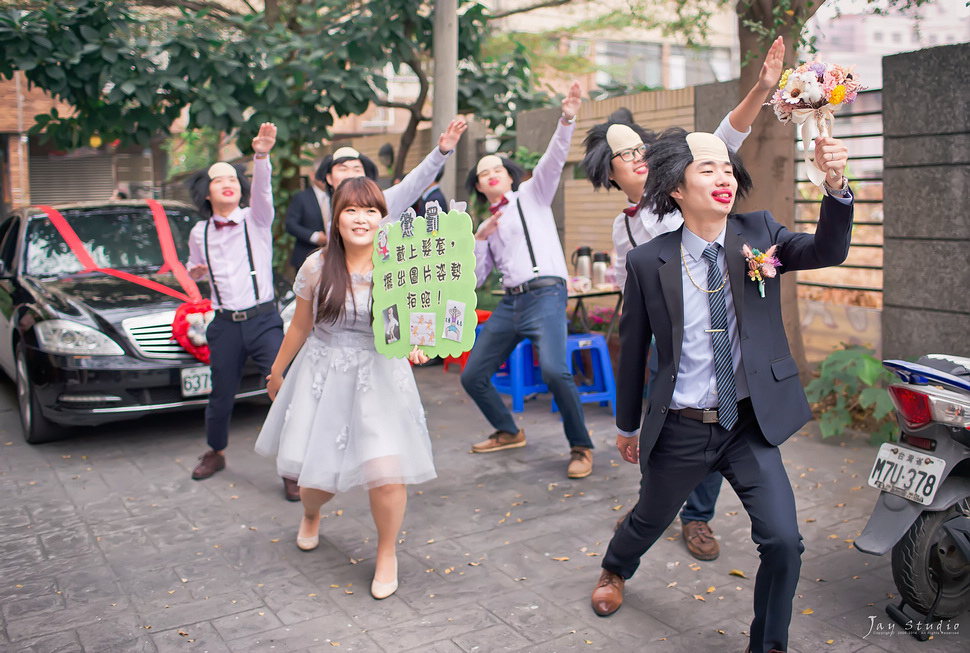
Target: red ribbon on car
x=194 y=303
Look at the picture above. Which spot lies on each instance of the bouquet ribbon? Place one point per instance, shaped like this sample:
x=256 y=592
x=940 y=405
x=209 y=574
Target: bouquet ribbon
x=813 y=123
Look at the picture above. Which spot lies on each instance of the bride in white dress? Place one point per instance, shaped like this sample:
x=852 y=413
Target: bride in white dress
x=346 y=416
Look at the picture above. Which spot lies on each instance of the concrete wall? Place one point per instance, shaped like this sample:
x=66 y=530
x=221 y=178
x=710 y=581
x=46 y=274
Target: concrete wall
x=926 y=306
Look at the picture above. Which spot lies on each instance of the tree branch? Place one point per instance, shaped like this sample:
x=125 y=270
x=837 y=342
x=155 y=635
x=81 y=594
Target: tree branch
x=539 y=5
x=189 y=4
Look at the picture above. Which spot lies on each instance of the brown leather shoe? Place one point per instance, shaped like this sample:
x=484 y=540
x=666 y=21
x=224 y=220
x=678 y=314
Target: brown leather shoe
x=500 y=440
x=210 y=463
x=608 y=595
x=580 y=462
x=700 y=540
x=291 y=488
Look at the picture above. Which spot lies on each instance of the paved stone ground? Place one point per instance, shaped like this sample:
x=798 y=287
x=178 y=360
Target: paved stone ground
x=106 y=544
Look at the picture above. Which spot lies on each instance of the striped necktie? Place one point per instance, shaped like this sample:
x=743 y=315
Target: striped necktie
x=727 y=403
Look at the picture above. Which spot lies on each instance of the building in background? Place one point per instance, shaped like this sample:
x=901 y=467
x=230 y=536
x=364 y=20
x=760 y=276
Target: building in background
x=845 y=32
x=32 y=173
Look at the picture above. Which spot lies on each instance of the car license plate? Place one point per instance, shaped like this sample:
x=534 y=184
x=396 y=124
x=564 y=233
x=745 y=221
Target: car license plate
x=196 y=381
x=907 y=473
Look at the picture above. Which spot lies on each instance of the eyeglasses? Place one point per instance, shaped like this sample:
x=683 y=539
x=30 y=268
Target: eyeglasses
x=632 y=153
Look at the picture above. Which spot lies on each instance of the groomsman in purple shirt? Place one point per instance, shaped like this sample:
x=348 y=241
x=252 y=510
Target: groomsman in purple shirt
x=234 y=247
x=521 y=241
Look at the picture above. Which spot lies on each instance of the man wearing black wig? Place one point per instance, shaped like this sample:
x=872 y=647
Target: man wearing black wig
x=234 y=247
x=616 y=158
x=727 y=393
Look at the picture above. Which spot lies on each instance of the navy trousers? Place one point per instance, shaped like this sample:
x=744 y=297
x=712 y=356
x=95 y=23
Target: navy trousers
x=230 y=344
x=685 y=452
x=702 y=501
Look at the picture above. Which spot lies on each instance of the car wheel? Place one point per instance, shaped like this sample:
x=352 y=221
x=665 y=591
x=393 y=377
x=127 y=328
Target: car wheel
x=37 y=428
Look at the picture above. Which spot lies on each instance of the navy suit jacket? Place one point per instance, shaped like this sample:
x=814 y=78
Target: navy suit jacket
x=303 y=217
x=654 y=306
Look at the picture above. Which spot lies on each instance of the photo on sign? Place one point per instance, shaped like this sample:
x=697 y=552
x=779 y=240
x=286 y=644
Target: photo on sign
x=422 y=329
x=392 y=326
x=454 y=320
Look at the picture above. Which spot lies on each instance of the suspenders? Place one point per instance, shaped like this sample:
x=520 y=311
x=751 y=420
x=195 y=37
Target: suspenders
x=528 y=240
x=252 y=265
x=629 y=232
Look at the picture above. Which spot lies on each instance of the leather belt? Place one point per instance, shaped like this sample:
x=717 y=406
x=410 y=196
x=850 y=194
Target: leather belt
x=247 y=313
x=706 y=415
x=534 y=284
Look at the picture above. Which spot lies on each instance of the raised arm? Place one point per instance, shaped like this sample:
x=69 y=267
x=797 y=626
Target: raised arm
x=745 y=113
x=545 y=177
x=261 y=197
x=411 y=188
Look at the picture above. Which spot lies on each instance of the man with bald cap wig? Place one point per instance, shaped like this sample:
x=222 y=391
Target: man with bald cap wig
x=520 y=239
x=234 y=248
x=727 y=391
x=616 y=158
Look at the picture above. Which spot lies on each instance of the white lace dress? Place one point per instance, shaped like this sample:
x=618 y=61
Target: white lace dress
x=346 y=416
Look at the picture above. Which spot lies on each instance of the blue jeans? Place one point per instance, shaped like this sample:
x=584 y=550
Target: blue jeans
x=700 y=503
x=540 y=316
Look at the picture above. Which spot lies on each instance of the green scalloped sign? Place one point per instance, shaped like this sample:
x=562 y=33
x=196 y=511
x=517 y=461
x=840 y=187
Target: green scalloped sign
x=424 y=285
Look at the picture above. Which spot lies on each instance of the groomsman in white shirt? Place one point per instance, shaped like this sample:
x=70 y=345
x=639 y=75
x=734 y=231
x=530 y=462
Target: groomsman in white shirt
x=234 y=247
x=520 y=240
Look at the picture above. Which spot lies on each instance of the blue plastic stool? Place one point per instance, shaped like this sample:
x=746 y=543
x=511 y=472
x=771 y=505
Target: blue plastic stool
x=603 y=388
x=519 y=376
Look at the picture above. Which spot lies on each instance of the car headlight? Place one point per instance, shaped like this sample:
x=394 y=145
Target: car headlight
x=73 y=339
x=287 y=314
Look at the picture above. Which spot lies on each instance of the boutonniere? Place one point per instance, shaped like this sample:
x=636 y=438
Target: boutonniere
x=761 y=265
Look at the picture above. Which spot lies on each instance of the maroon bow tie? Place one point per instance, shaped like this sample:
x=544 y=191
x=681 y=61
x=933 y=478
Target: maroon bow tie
x=495 y=207
x=220 y=225
x=630 y=211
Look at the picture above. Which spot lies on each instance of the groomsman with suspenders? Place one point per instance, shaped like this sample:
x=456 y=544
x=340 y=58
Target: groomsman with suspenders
x=521 y=241
x=234 y=248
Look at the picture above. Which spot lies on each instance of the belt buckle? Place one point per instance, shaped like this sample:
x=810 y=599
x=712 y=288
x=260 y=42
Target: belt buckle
x=517 y=290
x=239 y=316
x=709 y=416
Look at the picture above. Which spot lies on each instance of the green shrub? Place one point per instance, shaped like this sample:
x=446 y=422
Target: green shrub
x=850 y=392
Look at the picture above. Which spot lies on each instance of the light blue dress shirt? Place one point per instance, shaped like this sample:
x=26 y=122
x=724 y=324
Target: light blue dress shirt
x=696 y=384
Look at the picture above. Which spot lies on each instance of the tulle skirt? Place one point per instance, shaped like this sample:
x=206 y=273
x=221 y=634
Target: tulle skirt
x=347 y=416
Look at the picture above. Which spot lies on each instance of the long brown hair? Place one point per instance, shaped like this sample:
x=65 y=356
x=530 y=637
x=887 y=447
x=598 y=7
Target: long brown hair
x=334 y=278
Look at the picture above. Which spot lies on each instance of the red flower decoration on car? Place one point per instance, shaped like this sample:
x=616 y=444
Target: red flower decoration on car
x=189 y=325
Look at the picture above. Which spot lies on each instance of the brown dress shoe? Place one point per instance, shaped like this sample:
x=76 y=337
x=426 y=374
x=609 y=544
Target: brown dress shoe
x=700 y=540
x=209 y=463
x=608 y=595
x=500 y=440
x=580 y=462
x=291 y=488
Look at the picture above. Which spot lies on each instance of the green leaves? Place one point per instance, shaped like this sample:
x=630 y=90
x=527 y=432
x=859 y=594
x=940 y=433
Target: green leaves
x=850 y=392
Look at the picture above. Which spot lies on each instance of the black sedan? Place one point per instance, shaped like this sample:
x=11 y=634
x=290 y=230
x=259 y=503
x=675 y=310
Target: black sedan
x=85 y=347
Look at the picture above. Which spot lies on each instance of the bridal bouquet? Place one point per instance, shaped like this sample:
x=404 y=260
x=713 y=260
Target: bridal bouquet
x=809 y=96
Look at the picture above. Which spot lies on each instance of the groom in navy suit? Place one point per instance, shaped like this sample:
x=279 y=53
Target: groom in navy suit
x=727 y=391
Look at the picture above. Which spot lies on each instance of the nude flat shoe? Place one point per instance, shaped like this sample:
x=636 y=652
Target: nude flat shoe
x=308 y=543
x=384 y=590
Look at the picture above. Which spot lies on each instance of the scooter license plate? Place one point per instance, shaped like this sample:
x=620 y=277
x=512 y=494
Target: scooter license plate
x=907 y=473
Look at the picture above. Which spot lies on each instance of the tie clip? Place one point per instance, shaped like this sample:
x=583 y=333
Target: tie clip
x=713 y=330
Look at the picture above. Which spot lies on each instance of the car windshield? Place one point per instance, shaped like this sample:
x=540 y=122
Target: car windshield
x=119 y=237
